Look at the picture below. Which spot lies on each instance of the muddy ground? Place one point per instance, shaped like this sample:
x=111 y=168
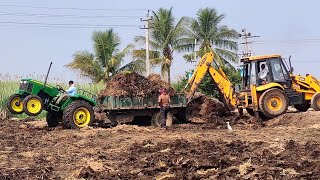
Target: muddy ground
x=287 y=147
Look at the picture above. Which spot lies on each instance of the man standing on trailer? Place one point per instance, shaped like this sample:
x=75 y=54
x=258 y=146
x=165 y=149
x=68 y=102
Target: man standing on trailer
x=164 y=103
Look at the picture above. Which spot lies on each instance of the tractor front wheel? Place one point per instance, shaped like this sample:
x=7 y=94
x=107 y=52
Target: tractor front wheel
x=32 y=105
x=315 y=102
x=15 y=105
x=78 y=115
x=273 y=102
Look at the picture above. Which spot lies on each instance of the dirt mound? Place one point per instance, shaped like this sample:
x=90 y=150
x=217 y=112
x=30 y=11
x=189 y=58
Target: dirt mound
x=303 y=119
x=133 y=84
x=181 y=159
x=207 y=109
x=203 y=106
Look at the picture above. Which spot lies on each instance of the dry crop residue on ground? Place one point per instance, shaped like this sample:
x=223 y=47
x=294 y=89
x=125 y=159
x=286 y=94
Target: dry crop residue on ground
x=288 y=147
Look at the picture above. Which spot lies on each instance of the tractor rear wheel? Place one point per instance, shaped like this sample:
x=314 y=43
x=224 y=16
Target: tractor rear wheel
x=315 y=102
x=273 y=102
x=15 y=105
x=53 y=118
x=78 y=115
x=302 y=107
x=32 y=105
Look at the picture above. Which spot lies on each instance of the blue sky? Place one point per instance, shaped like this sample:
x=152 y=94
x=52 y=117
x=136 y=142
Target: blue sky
x=286 y=28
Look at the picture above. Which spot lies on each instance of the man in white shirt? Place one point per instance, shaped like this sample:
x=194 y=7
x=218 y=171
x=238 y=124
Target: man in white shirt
x=263 y=74
x=72 y=89
x=70 y=92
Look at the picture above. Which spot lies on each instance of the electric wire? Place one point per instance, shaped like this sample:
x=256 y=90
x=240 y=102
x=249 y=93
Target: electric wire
x=69 y=8
x=68 y=24
x=64 y=15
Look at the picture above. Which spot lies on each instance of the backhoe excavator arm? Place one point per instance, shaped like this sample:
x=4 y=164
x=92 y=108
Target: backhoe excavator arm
x=220 y=79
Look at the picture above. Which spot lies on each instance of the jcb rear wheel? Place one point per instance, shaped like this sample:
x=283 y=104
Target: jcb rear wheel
x=273 y=102
x=32 y=105
x=315 y=102
x=302 y=107
x=78 y=115
x=15 y=105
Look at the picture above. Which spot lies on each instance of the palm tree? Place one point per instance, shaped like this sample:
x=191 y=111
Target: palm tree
x=165 y=37
x=106 y=59
x=211 y=35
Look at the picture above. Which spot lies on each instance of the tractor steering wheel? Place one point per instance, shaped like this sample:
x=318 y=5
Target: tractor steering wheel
x=61 y=89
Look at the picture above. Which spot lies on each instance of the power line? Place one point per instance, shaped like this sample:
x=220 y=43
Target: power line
x=69 y=8
x=62 y=27
x=294 y=41
x=67 y=24
x=63 y=15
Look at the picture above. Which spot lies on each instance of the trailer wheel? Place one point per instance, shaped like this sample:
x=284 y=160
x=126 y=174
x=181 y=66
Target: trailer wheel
x=15 y=105
x=315 y=102
x=32 y=105
x=78 y=115
x=156 y=118
x=302 y=107
x=53 y=118
x=273 y=102
x=250 y=111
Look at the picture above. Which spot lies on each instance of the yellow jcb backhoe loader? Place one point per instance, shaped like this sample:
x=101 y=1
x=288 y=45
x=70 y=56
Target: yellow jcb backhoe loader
x=264 y=97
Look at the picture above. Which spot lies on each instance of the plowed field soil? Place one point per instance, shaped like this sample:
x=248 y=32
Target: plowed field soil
x=287 y=147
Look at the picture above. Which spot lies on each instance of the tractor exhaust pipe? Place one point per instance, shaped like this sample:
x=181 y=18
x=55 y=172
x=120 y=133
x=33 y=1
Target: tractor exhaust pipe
x=45 y=81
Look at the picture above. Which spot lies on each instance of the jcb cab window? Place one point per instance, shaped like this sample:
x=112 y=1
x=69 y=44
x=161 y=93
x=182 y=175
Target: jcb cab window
x=277 y=70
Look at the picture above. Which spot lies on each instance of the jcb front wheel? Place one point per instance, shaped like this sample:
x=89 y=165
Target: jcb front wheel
x=15 y=105
x=78 y=115
x=32 y=105
x=273 y=102
x=315 y=102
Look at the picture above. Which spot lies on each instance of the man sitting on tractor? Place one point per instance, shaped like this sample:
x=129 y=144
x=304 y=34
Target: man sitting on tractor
x=70 y=92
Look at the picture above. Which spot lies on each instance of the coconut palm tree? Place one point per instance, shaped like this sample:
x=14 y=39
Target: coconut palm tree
x=206 y=28
x=166 y=36
x=106 y=59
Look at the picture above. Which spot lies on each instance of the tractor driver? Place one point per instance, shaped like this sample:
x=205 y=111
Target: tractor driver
x=70 y=92
x=263 y=75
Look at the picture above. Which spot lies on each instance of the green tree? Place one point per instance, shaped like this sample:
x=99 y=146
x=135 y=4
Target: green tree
x=166 y=37
x=207 y=86
x=106 y=59
x=206 y=28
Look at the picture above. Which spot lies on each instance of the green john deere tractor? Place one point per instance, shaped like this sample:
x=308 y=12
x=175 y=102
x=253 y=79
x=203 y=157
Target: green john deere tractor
x=34 y=96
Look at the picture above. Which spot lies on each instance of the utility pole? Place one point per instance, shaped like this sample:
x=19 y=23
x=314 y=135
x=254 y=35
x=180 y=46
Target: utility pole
x=147 y=27
x=247 y=51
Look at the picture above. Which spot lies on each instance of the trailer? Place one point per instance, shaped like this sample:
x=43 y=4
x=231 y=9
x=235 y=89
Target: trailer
x=140 y=110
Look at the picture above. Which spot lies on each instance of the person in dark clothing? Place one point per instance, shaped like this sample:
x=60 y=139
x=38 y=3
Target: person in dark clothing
x=164 y=103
